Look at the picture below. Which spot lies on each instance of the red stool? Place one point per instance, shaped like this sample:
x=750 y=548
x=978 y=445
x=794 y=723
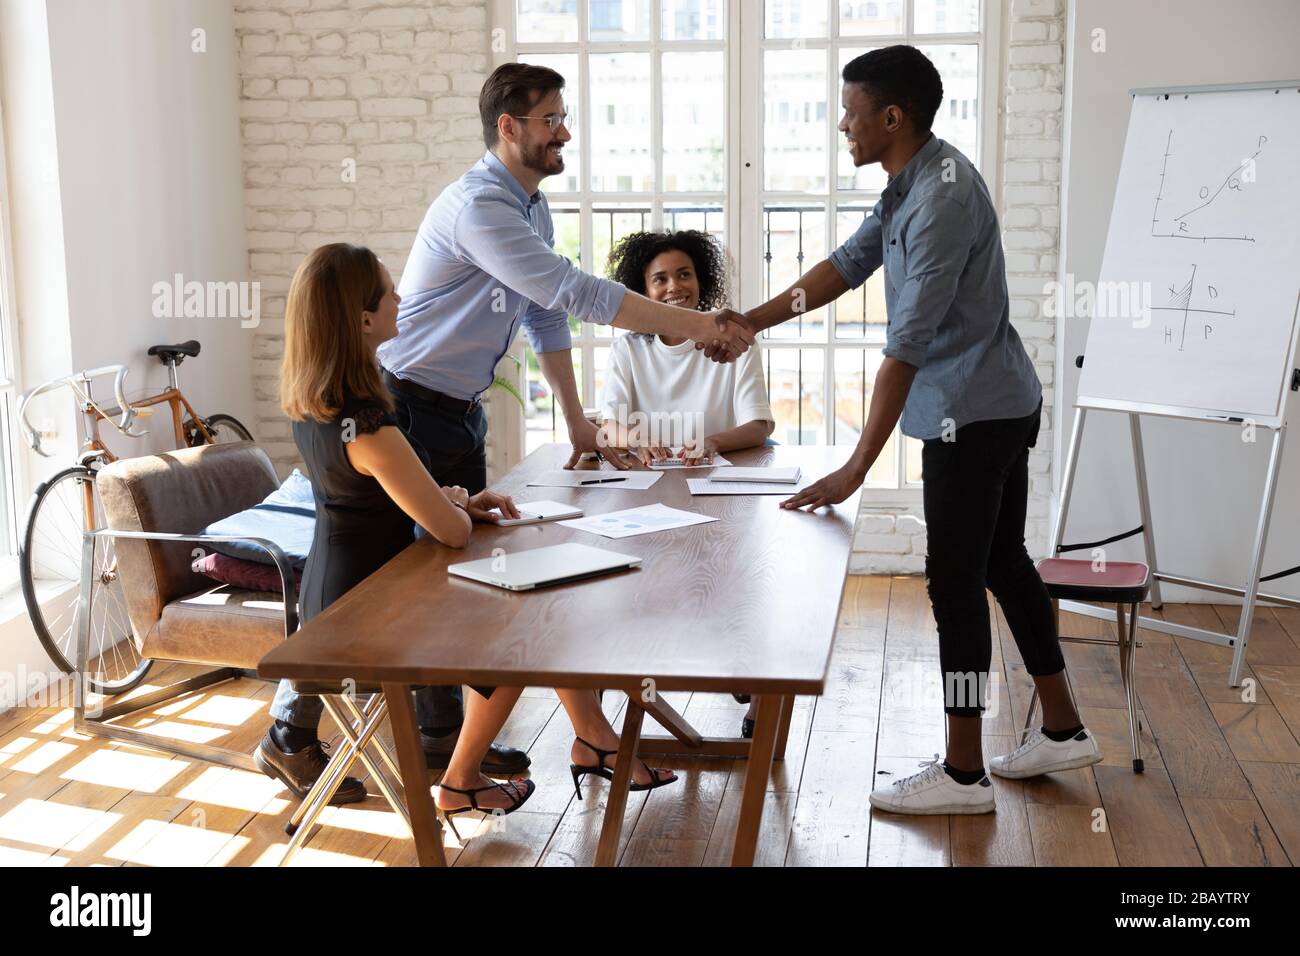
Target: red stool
x=1121 y=583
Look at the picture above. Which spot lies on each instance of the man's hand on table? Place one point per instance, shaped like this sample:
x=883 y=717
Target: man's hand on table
x=831 y=490
x=586 y=437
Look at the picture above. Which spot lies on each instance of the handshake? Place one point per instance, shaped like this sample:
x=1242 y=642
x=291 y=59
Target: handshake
x=724 y=334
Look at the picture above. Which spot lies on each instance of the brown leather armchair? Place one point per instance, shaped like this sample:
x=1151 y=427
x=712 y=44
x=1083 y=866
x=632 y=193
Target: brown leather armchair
x=155 y=506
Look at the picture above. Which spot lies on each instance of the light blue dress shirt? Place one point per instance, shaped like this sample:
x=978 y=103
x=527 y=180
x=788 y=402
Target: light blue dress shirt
x=484 y=262
x=935 y=230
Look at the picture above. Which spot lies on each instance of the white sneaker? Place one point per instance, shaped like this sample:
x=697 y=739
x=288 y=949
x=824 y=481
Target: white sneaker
x=932 y=791
x=1041 y=754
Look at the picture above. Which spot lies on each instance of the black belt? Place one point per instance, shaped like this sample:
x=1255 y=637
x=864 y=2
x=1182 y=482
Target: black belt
x=457 y=406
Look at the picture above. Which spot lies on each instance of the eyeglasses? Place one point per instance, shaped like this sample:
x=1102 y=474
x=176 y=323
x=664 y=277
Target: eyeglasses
x=555 y=120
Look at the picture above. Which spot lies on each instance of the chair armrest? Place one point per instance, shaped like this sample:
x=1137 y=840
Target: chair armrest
x=281 y=560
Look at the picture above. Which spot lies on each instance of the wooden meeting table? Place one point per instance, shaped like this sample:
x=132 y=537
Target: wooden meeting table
x=745 y=604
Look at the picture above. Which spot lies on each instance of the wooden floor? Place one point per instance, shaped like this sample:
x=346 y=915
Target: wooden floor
x=1222 y=784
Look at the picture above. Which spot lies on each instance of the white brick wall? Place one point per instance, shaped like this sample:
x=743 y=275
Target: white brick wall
x=389 y=86
x=1031 y=177
x=1033 y=109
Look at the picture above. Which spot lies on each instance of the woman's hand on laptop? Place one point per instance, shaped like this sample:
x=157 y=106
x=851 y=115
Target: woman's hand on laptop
x=490 y=507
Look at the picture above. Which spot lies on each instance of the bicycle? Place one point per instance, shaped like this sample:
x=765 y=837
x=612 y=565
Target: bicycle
x=50 y=556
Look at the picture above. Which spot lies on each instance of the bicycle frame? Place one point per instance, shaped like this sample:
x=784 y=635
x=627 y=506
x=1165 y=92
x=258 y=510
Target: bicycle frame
x=92 y=448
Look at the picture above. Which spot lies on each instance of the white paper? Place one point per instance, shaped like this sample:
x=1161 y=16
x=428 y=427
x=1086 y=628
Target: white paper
x=634 y=521
x=630 y=480
x=703 y=486
x=787 y=476
x=717 y=462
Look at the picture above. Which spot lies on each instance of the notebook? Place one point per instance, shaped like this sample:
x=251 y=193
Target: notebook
x=535 y=512
x=781 y=476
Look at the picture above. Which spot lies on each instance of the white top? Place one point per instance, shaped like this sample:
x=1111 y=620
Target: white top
x=679 y=394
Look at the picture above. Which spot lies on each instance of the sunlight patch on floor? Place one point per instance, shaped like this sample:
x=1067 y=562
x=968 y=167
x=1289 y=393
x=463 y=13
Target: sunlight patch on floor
x=125 y=770
x=171 y=844
x=44 y=823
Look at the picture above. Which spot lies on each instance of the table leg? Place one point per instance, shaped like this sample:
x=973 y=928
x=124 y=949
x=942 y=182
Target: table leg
x=612 y=826
x=757 y=773
x=783 y=728
x=415 y=776
x=675 y=723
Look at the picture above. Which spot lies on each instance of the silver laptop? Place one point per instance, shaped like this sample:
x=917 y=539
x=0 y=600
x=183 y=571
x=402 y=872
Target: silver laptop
x=558 y=564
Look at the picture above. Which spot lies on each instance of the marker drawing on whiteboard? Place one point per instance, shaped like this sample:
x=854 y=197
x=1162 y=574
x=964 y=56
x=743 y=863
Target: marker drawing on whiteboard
x=1181 y=302
x=1178 y=226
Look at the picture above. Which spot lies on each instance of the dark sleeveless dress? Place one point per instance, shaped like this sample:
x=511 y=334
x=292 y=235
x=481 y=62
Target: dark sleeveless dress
x=358 y=527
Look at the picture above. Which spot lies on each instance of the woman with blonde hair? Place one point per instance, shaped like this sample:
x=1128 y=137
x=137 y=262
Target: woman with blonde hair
x=372 y=488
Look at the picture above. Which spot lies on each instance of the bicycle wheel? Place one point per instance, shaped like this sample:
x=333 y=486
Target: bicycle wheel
x=50 y=567
x=222 y=428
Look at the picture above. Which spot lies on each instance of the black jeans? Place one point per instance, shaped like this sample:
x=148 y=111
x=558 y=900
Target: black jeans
x=455 y=449
x=975 y=493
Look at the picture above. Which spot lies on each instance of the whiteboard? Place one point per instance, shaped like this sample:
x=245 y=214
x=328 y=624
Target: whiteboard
x=1195 y=311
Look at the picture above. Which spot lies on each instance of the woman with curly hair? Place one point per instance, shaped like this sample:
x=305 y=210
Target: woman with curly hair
x=662 y=396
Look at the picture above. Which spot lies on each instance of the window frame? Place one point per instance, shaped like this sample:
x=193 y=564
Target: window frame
x=12 y=478
x=588 y=337
x=746 y=198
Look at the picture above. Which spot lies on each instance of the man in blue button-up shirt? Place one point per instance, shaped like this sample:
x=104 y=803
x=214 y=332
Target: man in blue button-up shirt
x=484 y=263
x=958 y=374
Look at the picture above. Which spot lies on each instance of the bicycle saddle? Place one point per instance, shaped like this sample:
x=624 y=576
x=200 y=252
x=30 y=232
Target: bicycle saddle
x=174 y=353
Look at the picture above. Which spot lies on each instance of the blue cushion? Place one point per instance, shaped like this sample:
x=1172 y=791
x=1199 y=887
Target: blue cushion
x=287 y=517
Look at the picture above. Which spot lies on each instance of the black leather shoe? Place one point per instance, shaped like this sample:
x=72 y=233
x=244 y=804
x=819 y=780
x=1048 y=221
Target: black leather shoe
x=499 y=762
x=300 y=770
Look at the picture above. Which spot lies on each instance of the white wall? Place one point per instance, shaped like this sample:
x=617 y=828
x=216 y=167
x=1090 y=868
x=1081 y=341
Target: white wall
x=388 y=88
x=123 y=150
x=148 y=154
x=124 y=169
x=1206 y=483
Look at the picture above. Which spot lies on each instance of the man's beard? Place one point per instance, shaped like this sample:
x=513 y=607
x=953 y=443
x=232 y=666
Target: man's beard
x=538 y=159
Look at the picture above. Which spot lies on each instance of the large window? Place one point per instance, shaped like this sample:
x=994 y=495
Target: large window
x=722 y=116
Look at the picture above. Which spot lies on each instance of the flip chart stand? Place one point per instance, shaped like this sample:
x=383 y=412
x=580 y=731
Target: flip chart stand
x=1249 y=591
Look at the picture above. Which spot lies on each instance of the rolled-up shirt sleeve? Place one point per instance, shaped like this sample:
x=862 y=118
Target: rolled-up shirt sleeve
x=548 y=329
x=492 y=234
x=937 y=238
x=862 y=254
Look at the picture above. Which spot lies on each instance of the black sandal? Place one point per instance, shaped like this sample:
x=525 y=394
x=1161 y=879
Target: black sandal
x=579 y=771
x=747 y=728
x=516 y=802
